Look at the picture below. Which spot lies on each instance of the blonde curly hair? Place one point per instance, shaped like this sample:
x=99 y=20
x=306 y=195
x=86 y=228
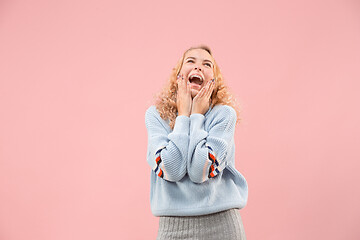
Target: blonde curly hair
x=165 y=101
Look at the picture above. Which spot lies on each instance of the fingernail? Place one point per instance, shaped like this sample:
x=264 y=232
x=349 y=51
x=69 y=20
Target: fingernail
x=213 y=80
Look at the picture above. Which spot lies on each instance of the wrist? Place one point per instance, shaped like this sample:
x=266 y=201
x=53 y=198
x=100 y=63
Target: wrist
x=183 y=113
x=196 y=111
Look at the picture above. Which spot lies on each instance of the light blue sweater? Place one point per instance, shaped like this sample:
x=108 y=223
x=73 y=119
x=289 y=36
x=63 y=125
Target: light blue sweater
x=193 y=165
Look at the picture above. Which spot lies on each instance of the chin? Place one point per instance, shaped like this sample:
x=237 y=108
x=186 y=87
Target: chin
x=193 y=93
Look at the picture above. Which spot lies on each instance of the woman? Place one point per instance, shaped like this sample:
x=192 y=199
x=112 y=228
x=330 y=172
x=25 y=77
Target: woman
x=195 y=189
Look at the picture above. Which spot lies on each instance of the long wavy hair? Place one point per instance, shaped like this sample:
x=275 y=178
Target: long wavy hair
x=165 y=101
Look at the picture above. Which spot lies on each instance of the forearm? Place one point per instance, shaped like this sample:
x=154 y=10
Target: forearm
x=208 y=148
x=167 y=152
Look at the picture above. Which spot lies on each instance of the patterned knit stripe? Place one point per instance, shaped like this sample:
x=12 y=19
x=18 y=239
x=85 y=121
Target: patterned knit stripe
x=158 y=160
x=161 y=173
x=213 y=159
x=158 y=171
x=211 y=156
x=213 y=171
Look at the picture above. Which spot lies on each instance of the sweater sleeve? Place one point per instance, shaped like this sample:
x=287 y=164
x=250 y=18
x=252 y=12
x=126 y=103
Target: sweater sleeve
x=208 y=149
x=167 y=152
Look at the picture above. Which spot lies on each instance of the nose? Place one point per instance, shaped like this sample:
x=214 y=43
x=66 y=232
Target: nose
x=198 y=68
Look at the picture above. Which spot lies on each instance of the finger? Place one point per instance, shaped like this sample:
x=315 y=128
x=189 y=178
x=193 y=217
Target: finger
x=180 y=81
x=210 y=90
x=211 y=85
x=178 y=78
x=183 y=80
x=201 y=92
x=206 y=89
x=208 y=85
x=198 y=95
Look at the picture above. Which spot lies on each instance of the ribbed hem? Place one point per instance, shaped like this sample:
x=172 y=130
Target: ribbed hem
x=197 y=211
x=222 y=225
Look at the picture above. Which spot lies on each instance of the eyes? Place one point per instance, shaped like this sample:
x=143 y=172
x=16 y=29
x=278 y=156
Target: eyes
x=205 y=64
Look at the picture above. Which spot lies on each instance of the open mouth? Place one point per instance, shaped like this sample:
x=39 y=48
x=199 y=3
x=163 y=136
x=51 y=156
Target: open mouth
x=195 y=78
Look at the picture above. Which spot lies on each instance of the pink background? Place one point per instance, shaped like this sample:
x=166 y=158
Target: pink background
x=77 y=76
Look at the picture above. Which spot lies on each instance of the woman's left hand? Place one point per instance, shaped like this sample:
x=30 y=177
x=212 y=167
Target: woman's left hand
x=201 y=101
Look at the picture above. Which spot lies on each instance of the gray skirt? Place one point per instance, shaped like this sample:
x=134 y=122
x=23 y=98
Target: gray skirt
x=226 y=225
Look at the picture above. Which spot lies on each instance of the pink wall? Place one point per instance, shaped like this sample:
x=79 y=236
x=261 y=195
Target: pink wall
x=77 y=76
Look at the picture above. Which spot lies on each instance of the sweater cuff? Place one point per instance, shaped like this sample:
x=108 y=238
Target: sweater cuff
x=182 y=124
x=197 y=121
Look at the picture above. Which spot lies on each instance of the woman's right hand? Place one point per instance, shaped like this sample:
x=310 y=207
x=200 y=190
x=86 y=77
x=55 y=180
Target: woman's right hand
x=183 y=99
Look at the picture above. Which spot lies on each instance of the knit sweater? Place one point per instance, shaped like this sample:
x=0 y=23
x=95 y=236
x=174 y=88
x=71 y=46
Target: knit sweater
x=193 y=165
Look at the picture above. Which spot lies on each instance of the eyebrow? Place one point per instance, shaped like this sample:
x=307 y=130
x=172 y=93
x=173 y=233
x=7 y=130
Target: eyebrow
x=206 y=60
